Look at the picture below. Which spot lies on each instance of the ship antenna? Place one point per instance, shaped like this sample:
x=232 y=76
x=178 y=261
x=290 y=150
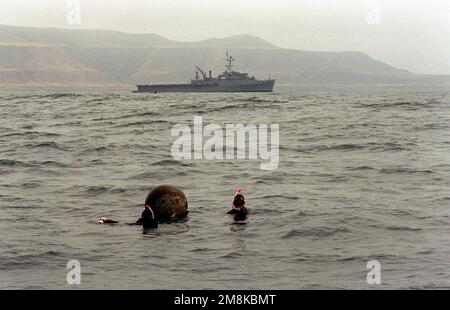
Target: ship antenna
x=229 y=60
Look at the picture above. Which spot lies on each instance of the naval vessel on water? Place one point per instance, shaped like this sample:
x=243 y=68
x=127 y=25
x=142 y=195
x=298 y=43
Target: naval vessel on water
x=228 y=81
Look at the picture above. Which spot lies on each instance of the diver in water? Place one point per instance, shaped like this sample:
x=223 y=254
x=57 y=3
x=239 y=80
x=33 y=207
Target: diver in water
x=238 y=207
x=104 y=220
x=147 y=219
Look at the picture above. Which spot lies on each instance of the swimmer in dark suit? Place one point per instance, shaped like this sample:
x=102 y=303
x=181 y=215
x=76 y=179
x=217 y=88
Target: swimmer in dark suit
x=238 y=207
x=147 y=219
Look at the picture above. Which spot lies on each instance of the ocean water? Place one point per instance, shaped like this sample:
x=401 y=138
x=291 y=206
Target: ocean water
x=363 y=175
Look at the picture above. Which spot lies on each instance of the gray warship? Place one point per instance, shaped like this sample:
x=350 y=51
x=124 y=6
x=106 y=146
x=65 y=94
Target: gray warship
x=228 y=81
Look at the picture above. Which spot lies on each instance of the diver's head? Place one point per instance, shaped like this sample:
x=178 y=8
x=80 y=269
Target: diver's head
x=239 y=199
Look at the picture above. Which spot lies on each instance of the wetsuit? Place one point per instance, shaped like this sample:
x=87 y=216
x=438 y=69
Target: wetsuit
x=147 y=219
x=241 y=210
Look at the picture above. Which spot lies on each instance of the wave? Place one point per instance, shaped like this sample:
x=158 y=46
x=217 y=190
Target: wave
x=361 y=168
x=336 y=147
x=29 y=133
x=393 y=104
x=51 y=163
x=13 y=163
x=97 y=101
x=217 y=108
x=432 y=126
x=49 y=144
x=402 y=103
x=249 y=103
x=402 y=228
x=98 y=189
x=29 y=260
x=96 y=149
x=43 y=96
x=275 y=196
x=390 y=146
x=59 y=95
x=262 y=100
x=68 y=123
x=234 y=254
x=202 y=250
x=171 y=162
x=150 y=175
x=31 y=184
x=258 y=210
x=142 y=123
x=269 y=180
x=403 y=170
x=318 y=232
x=113 y=190
x=126 y=116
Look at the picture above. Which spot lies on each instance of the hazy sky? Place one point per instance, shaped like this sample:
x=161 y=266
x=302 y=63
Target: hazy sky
x=409 y=34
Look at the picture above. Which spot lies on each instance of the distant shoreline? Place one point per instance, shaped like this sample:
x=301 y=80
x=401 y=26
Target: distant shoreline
x=54 y=58
x=279 y=88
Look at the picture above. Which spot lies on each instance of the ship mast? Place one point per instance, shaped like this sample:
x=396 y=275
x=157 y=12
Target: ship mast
x=229 y=60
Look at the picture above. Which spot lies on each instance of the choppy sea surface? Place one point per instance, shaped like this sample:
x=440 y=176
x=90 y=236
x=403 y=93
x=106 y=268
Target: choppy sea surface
x=363 y=175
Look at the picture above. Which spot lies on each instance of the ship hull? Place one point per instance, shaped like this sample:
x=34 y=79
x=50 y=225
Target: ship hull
x=229 y=86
